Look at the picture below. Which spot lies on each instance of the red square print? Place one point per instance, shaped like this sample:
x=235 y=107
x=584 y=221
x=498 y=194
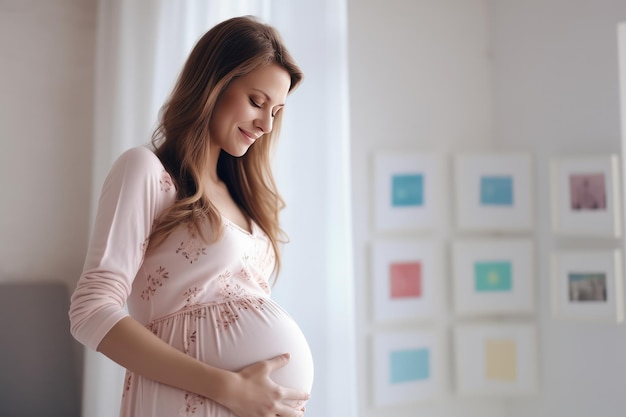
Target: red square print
x=405 y=279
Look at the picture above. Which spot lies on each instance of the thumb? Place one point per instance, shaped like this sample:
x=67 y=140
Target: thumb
x=278 y=361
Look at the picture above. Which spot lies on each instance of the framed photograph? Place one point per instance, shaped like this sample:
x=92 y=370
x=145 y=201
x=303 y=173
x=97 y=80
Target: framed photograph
x=494 y=192
x=407 y=367
x=498 y=360
x=407 y=191
x=407 y=278
x=493 y=276
x=585 y=196
x=588 y=285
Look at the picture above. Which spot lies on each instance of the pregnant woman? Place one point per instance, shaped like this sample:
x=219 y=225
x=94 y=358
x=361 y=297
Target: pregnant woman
x=187 y=237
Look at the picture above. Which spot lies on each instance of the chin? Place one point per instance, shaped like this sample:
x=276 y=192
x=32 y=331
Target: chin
x=238 y=153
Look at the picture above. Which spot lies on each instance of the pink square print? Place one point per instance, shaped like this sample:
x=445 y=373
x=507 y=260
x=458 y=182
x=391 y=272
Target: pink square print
x=405 y=279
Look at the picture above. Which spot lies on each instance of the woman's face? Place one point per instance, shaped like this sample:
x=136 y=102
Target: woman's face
x=246 y=109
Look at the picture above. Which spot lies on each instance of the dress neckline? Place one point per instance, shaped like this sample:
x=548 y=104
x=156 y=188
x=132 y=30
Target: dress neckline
x=241 y=229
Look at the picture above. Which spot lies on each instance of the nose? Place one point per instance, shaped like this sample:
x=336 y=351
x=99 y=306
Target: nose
x=265 y=122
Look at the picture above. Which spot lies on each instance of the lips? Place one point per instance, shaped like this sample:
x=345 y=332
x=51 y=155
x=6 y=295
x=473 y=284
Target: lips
x=249 y=136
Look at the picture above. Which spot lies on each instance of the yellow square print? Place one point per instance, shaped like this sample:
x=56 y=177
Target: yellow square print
x=501 y=360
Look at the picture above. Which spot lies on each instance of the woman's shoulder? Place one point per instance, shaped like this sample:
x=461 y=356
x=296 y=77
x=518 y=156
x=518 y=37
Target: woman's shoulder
x=140 y=166
x=140 y=162
x=142 y=157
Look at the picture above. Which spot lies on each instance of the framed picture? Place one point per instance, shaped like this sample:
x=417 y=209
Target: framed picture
x=588 y=285
x=407 y=367
x=498 y=360
x=585 y=196
x=407 y=280
x=407 y=191
x=494 y=192
x=493 y=276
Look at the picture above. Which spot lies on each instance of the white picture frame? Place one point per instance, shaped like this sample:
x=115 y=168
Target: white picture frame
x=494 y=192
x=587 y=285
x=493 y=276
x=496 y=359
x=408 y=367
x=407 y=280
x=407 y=191
x=586 y=198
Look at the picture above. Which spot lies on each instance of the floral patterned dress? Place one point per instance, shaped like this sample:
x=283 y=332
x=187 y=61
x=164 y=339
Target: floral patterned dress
x=211 y=301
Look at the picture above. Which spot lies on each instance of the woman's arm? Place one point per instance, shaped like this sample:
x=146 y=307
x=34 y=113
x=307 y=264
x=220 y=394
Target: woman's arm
x=248 y=393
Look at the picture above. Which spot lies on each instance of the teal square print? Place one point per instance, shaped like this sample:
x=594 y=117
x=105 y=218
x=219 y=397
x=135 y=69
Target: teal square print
x=493 y=276
x=407 y=190
x=496 y=190
x=409 y=365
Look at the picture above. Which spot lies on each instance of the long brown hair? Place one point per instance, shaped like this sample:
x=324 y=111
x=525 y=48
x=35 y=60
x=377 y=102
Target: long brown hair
x=229 y=50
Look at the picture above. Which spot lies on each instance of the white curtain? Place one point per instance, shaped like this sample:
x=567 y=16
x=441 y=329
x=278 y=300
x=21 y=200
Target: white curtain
x=141 y=47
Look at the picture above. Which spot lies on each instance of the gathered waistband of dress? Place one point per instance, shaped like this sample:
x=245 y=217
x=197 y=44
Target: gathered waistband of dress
x=200 y=306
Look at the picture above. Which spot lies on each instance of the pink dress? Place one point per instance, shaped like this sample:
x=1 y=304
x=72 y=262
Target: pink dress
x=211 y=301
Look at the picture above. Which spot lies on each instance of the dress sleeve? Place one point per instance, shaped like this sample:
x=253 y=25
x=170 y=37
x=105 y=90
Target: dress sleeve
x=132 y=197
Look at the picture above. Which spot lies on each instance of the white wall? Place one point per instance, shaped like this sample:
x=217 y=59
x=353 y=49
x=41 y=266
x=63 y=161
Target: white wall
x=46 y=94
x=420 y=80
x=46 y=78
x=536 y=75
x=557 y=93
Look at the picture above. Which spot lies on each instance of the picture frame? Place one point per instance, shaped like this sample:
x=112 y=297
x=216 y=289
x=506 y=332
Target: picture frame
x=588 y=285
x=407 y=280
x=408 y=367
x=494 y=192
x=407 y=191
x=493 y=276
x=496 y=359
x=585 y=193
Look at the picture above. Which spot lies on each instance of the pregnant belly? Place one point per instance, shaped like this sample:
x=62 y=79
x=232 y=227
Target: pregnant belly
x=238 y=333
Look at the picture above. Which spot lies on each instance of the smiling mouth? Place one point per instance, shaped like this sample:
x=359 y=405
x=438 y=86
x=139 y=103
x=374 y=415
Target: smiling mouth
x=249 y=135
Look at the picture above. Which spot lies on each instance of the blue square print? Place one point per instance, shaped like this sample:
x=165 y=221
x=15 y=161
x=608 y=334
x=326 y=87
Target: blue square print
x=409 y=365
x=407 y=190
x=496 y=191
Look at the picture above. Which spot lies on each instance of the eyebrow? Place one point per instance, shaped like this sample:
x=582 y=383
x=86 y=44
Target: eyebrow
x=267 y=97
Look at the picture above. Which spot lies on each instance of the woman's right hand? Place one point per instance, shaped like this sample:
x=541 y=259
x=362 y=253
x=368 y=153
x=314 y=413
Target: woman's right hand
x=256 y=395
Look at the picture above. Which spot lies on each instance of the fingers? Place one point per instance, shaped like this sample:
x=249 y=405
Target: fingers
x=294 y=396
x=290 y=412
x=288 y=402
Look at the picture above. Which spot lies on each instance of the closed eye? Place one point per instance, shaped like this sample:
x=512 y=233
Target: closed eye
x=259 y=106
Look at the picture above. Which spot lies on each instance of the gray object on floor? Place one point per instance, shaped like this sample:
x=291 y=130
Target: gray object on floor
x=38 y=375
